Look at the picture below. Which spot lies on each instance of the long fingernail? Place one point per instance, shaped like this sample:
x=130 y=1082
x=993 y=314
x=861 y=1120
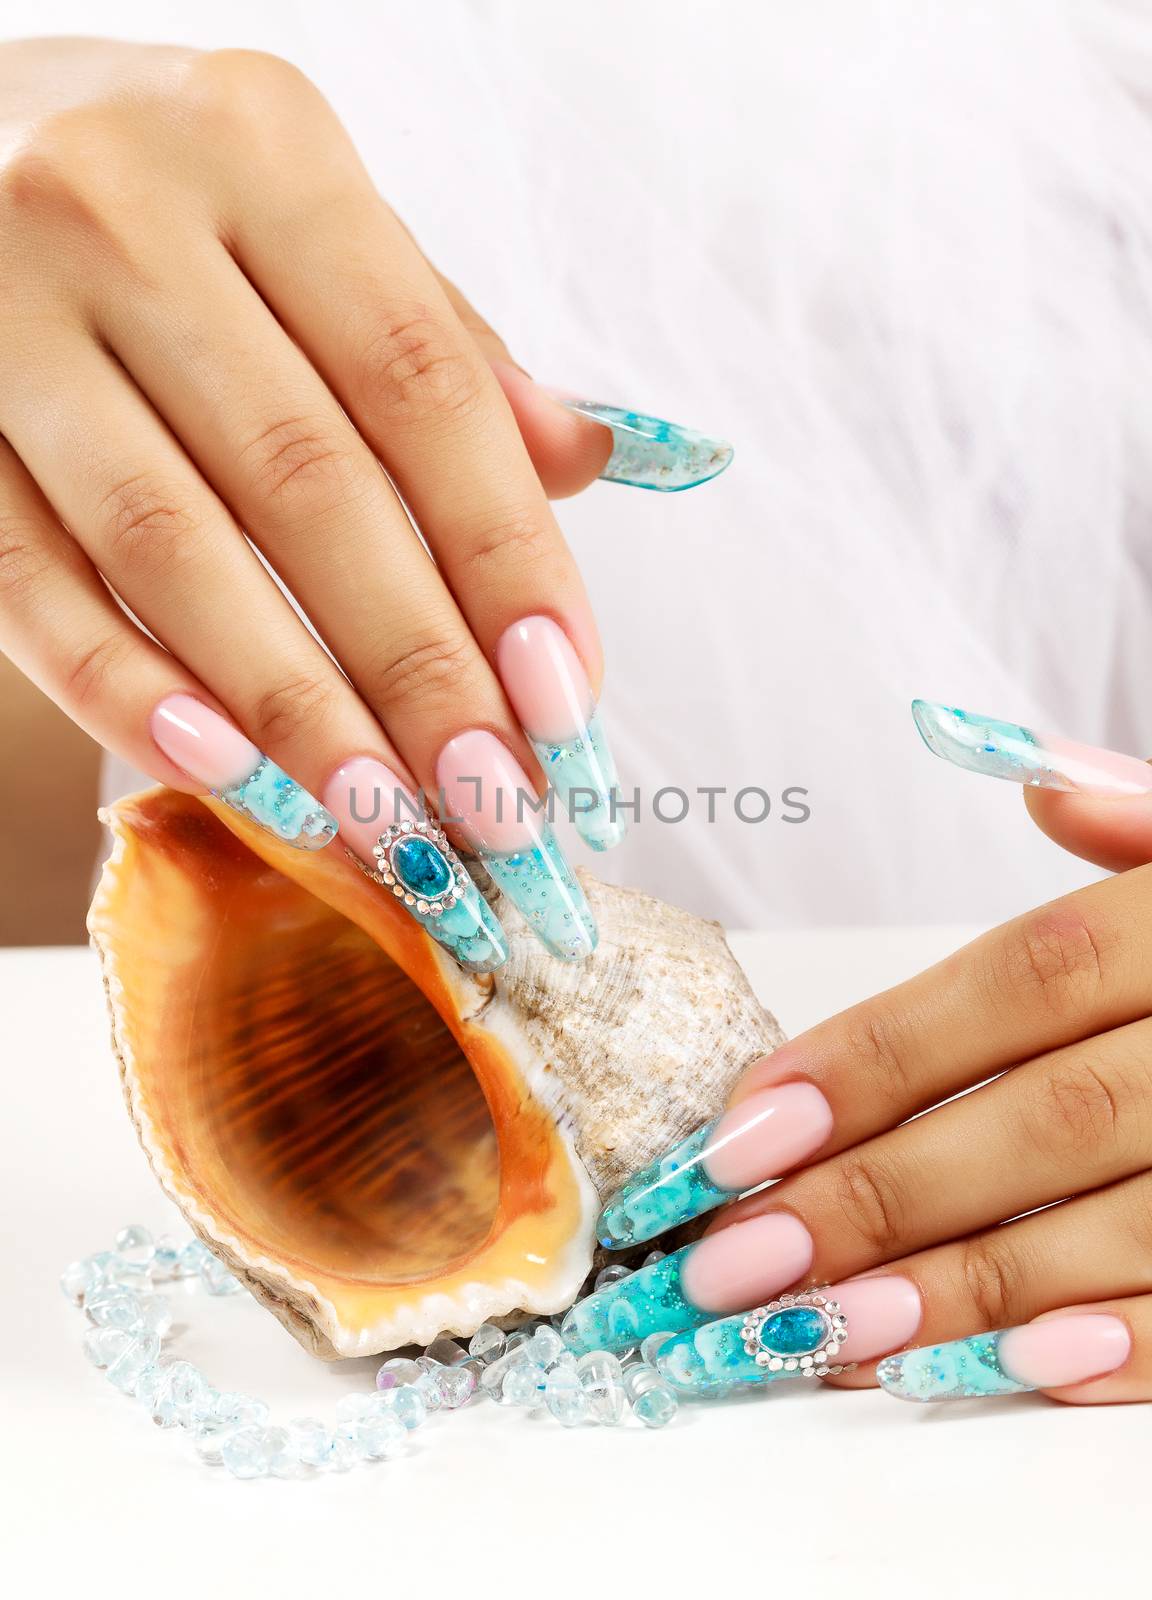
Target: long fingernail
x=734 y=1267
x=201 y=743
x=552 y=697
x=406 y=852
x=1038 y=1355
x=649 y=453
x=487 y=791
x=758 y=1139
x=804 y=1335
x=1007 y=750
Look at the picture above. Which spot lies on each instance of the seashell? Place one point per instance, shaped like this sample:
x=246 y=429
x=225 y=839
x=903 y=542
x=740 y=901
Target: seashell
x=381 y=1146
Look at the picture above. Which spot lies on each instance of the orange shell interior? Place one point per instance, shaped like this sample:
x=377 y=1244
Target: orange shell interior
x=307 y=1086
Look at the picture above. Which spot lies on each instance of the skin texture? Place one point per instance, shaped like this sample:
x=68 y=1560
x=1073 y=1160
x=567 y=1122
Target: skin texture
x=1058 y=1004
x=214 y=322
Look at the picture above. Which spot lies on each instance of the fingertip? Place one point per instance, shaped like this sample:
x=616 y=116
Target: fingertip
x=568 y=451
x=1114 y=834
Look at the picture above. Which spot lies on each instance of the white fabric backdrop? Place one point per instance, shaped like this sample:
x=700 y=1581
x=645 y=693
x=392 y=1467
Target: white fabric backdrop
x=898 y=252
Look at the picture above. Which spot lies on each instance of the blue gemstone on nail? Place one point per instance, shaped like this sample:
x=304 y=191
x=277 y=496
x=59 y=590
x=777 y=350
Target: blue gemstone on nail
x=795 y=1331
x=421 y=867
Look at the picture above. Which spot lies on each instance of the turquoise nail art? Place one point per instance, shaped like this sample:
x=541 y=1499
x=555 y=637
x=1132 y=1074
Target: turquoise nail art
x=649 y=453
x=651 y=1300
x=543 y=888
x=797 y=1336
x=674 y=1188
x=416 y=862
x=277 y=802
x=583 y=774
x=985 y=745
x=965 y=1369
x=469 y=931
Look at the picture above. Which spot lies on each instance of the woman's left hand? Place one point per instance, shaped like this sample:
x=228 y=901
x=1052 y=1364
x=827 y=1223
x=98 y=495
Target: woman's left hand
x=1028 y=1197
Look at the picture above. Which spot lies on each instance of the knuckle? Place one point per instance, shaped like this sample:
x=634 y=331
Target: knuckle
x=991 y=1279
x=143 y=521
x=25 y=560
x=292 y=712
x=1077 y=1109
x=432 y=670
x=520 y=536
x=243 y=82
x=1057 y=959
x=876 y=1044
x=92 y=674
x=299 y=458
x=871 y=1201
x=412 y=366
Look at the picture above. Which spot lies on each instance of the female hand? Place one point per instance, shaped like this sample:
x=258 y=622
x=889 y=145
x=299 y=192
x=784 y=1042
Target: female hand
x=213 y=323
x=1047 y=1021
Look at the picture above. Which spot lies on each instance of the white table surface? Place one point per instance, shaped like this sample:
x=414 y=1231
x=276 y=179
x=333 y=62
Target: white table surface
x=856 y=1492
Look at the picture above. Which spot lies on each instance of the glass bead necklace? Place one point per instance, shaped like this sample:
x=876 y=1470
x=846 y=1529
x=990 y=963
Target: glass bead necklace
x=530 y=1369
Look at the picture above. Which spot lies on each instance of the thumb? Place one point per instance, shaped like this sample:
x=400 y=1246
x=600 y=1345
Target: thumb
x=1116 y=834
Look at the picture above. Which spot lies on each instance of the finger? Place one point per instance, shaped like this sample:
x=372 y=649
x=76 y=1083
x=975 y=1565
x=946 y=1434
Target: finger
x=267 y=433
x=1110 y=833
x=1065 y=972
x=61 y=626
x=1096 y=803
x=568 y=450
x=1085 y=1249
x=173 y=554
x=265 y=429
x=1066 y=1123
x=388 y=343
x=394 y=352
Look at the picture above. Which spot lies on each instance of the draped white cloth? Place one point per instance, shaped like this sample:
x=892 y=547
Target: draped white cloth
x=898 y=251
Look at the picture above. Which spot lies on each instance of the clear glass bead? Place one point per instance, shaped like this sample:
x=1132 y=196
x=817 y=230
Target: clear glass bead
x=166 y=1261
x=285 y=1459
x=520 y=1337
x=133 y=1275
x=80 y=1279
x=566 y=1399
x=487 y=1343
x=345 y=1450
x=218 y=1278
x=157 y=1315
x=446 y=1351
x=239 y=1410
x=191 y=1394
x=381 y=1436
x=115 y=1307
x=653 y=1398
x=152 y=1392
x=402 y=1370
x=407 y=1403
x=653 y=1257
x=651 y=1345
x=103 y=1346
x=246 y=1452
x=209 y=1438
x=457 y=1385
x=610 y=1275
x=524 y=1385
x=429 y=1391
x=141 y=1352
x=546 y=1345
x=602 y=1378
x=135 y=1245
x=192 y=1257
x=311 y=1441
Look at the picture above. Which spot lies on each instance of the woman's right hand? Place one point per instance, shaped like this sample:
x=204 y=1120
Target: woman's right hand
x=213 y=323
